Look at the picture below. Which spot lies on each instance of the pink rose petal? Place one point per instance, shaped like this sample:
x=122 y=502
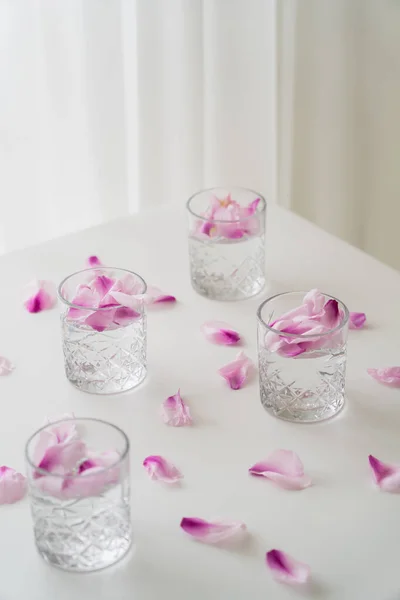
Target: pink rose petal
x=286 y=569
x=95 y=474
x=284 y=468
x=101 y=319
x=225 y=218
x=249 y=219
x=73 y=469
x=126 y=300
x=62 y=457
x=6 y=366
x=312 y=308
x=386 y=476
x=237 y=371
x=175 y=412
x=315 y=317
x=107 y=303
x=89 y=476
x=50 y=485
x=94 y=261
x=128 y=284
x=331 y=316
x=159 y=468
x=125 y=316
x=357 y=320
x=211 y=532
x=231 y=231
x=205 y=228
x=88 y=299
x=99 y=460
x=40 y=295
x=293 y=346
x=61 y=433
x=251 y=209
x=314 y=301
x=65 y=430
x=12 y=485
x=89 y=483
x=155 y=296
x=101 y=285
x=389 y=375
x=220 y=333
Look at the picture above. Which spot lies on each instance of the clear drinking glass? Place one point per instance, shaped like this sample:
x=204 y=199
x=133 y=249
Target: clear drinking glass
x=78 y=478
x=227 y=243
x=104 y=350
x=309 y=386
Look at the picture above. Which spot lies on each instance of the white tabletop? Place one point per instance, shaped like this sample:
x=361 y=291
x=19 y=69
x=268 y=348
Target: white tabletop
x=345 y=529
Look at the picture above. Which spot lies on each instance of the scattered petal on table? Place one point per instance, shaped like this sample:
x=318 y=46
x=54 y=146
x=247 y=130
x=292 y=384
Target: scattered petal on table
x=211 y=532
x=357 y=320
x=12 y=485
x=159 y=468
x=40 y=295
x=389 y=375
x=220 y=333
x=387 y=476
x=237 y=371
x=175 y=412
x=155 y=296
x=6 y=366
x=94 y=261
x=286 y=569
x=284 y=468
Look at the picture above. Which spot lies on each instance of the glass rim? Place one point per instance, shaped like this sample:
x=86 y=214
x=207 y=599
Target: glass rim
x=283 y=334
x=93 y=308
x=37 y=469
x=242 y=189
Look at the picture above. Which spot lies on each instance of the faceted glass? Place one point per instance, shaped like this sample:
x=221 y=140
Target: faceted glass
x=227 y=257
x=81 y=522
x=102 y=361
x=308 y=387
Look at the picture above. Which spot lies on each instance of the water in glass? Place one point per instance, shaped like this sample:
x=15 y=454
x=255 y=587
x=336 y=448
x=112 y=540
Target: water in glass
x=307 y=388
x=228 y=269
x=83 y=534
x=104 y=362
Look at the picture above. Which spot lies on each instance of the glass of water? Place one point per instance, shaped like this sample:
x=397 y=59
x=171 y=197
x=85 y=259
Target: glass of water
x=78 y=478
x=103 y=335
x=227 y=243
x=302 y=376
